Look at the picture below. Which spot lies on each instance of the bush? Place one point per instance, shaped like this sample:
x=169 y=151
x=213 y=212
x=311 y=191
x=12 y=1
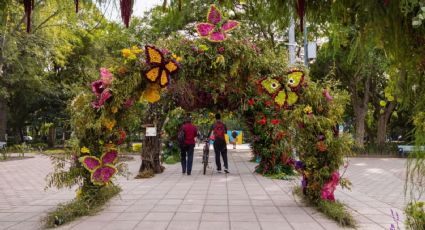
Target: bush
x=82 y=205
x=333 y=210
x=137 y=147
x=373 y=149
x=415 y=215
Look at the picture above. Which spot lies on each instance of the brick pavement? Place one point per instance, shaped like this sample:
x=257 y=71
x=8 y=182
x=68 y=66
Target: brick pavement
x=239 y=200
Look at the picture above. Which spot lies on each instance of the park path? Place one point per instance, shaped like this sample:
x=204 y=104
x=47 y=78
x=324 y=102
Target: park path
x=239 y=200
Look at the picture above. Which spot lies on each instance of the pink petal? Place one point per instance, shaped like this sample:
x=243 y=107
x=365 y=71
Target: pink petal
x=214 y=16
x=128 y=103
x=204 y=29
x=229 y=25
x=90 y=162
x=105 y=76
x=97 y=87
x=328 y=96
x=109 y=157
x=217 y=37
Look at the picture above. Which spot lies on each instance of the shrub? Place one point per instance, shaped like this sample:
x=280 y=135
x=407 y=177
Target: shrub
x=137 y=147
x=86 y=203
x=415 y=215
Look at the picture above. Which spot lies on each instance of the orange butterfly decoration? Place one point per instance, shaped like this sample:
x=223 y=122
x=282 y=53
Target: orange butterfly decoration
x=161 y=68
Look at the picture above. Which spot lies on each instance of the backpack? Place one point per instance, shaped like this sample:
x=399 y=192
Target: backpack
x=219 y=130
x=181 y=137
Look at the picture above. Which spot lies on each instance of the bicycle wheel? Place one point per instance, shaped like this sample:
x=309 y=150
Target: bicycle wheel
x=205 y=167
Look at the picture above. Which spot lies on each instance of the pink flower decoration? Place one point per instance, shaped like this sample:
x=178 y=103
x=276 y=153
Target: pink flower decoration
x=103 y=175
x=91 y=163
x=104 y=96
x=105 y=76
x=102 y=170
x=215 y=29
x=128 y=103
x=109 y=157
x=329 y=188
x=221 y=49
x=328 y=96
x=97 y=87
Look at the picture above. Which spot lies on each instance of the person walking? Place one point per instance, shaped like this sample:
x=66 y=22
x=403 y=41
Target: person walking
x=187 y=147
x=220 y=147
x=234 y=138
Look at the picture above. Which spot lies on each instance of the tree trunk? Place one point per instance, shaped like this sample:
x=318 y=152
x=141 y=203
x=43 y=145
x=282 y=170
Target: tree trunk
x=151 y=147
x=360 y=126
x=52 y=136
x=360 y=101
x=382 y=123
x=3 y=119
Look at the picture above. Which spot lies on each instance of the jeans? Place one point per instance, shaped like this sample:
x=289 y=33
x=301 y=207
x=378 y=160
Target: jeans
x=220 y=148
x=187 y=150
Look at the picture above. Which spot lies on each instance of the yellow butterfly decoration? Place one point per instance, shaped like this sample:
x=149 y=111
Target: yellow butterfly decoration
x=285 y=95
x=161 y=68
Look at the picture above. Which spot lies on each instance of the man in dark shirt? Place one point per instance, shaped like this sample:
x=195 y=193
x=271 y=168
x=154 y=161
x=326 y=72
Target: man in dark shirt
x=187 y=149
x=219 y=129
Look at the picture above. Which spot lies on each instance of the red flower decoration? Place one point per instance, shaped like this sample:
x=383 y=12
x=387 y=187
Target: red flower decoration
x=269 y=103
x=275 y=121
x=263 y=121
x=251 y=102
x=122 y=136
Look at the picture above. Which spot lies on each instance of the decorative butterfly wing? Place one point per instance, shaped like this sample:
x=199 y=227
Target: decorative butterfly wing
x=214 y=15
x=292 y=98
x=164 y=80
x=153 y=55
x=91 y=163
x=280 y=98
x=172 y=66
x=295 y=79
x=205 y=29
x=217 y=36
x=109 y=157
x=271 y=85
x=229 y=25
x=153 y=74
x=102 y=175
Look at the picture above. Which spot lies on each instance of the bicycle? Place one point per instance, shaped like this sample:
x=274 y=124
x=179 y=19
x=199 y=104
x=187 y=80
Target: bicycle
x=205 y=155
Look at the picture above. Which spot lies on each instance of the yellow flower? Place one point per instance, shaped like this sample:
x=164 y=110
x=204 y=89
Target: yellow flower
x=177 y=58
x=109 y=124
x=114 y=109
x=308 y=109
x=84 y=149
x=151 y=94
x=78 y=193
x=203 y=47
x=136 y=50
x=126 y=52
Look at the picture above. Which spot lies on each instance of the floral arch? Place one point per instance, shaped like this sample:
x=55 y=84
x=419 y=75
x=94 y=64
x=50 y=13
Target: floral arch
x=284 y=110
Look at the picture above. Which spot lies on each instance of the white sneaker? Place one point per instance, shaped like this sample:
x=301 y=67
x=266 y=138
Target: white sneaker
x=226 y=170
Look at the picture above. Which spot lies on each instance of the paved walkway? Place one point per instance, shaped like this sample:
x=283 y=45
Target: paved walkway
x=217 y=201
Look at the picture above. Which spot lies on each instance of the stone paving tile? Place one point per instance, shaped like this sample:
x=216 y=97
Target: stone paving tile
x=245 y=225
x=120 y=225
x=214 y=225
x=152 y=225
x=183 y=225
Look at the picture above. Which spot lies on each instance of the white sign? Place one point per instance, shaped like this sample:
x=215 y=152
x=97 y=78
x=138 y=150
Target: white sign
x=312 y=47
x=150 y=131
